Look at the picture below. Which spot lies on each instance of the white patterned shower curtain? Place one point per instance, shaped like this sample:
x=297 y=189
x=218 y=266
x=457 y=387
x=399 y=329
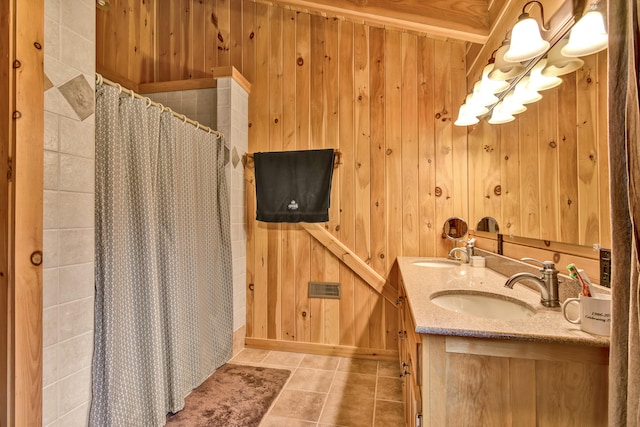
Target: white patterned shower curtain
x=163 y=305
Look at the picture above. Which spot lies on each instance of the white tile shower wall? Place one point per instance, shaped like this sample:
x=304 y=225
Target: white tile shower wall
x=196 y=104
x=233 y=120
x=68 y=278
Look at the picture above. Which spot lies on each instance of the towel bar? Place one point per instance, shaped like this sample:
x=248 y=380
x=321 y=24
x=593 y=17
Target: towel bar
x=247 y=159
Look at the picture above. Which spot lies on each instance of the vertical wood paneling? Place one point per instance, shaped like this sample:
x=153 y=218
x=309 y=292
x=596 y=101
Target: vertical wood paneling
x=393 y=144
x=249 y=71
x=410 y=149
x=176 y=36
x=288 y=259
x=332 y=140
x=248 y=49
x=529 y=174
x=224 y=32
x=211 y=35
x=303 y=136
x=235 y=35
x=604 y=214
x=568 y=155
x=197 y=61
x=426 y=147
x=588 y=151
x=368 y=53
x=22 y=142
x=548 y=152
x=509 y=220
x=363 y=140
x=163 y=36
x=489 y=152
x=318 y=123
x=186 y=40
x=261 y=143
x=348 y=193
x=443 y=142
x=378 y=65
x=134 y=42
x=274 y=231
x=459 y=135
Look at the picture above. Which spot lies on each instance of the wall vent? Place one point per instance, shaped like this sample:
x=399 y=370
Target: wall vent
x=324 y=290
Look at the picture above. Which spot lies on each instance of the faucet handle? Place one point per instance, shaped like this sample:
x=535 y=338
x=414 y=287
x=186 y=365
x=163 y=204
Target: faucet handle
x=546 y=265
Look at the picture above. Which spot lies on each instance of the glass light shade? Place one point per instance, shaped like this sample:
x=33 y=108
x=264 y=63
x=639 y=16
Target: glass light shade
x=475 y=108
x=539 y=82
x=587 y=36
x=500 y=115
x=465 y=118
x=524 y=94
x=510 y=104
x=558 y=64
x=503 y=69
x=526 y=41
x=482 y=96
x=493 y=86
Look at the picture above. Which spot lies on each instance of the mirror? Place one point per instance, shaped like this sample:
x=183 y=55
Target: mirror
x=455 y=229
x=545 y=175
x=488 y=224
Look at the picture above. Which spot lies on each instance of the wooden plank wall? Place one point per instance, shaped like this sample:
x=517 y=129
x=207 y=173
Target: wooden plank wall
x=384 y=98
x=545 y=175
x=323 y=82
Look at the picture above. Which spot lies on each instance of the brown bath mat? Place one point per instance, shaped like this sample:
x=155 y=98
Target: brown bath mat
x=233 y=396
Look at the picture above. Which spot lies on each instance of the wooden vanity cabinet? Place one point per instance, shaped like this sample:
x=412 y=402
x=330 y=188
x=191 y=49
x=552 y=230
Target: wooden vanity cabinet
x=410 y=350
x=464 y=381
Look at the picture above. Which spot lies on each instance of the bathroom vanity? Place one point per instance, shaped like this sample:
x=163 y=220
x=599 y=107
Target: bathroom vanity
x=494 y=356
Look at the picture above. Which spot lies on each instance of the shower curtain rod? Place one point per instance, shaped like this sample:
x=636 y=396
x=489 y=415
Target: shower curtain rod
x=101 y=80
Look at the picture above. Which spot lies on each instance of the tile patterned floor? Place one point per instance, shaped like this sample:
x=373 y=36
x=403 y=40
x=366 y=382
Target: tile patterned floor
x=326 y=391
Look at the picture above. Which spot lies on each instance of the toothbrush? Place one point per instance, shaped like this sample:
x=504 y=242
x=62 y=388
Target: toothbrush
x=584 y=285
x=585 y=279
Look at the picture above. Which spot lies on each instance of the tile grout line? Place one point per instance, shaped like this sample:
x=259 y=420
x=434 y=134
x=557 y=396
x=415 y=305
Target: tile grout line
x=324 y=404
x=375 y=396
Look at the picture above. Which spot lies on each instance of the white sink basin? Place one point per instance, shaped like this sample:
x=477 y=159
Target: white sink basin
x=437 y=263
x=487 y=305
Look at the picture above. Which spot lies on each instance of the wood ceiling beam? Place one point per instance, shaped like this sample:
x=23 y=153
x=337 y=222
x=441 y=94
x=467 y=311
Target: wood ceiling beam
x=466 y=20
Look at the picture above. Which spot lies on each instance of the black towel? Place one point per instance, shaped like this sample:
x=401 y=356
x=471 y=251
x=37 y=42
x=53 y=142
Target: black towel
x=293 y=186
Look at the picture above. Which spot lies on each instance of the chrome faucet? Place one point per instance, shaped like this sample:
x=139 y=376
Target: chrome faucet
x=467 y=251
x=547 y=282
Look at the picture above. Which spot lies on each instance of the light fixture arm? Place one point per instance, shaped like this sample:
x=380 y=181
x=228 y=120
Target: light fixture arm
x=545 y=25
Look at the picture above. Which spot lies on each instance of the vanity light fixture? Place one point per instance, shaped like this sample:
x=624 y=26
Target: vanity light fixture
x=558 y=64
x=526 y=41
x=465 y=118
x=492 y=85
x=588 y=36
x=483 y=96
x=525 y=94
x=475 y=108
x=503 y=69
x=510 y=104
x=500 y=115
x=525 y=51
x=539 y=82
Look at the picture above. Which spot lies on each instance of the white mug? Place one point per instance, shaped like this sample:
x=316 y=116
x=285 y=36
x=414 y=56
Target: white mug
x=595 y=313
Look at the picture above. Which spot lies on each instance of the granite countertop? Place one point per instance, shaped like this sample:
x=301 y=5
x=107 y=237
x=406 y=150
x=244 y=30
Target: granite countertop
x=547 y=325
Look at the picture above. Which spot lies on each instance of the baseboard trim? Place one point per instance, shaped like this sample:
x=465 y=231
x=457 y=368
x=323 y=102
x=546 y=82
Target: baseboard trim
x=238 y=339
x=322 y=349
